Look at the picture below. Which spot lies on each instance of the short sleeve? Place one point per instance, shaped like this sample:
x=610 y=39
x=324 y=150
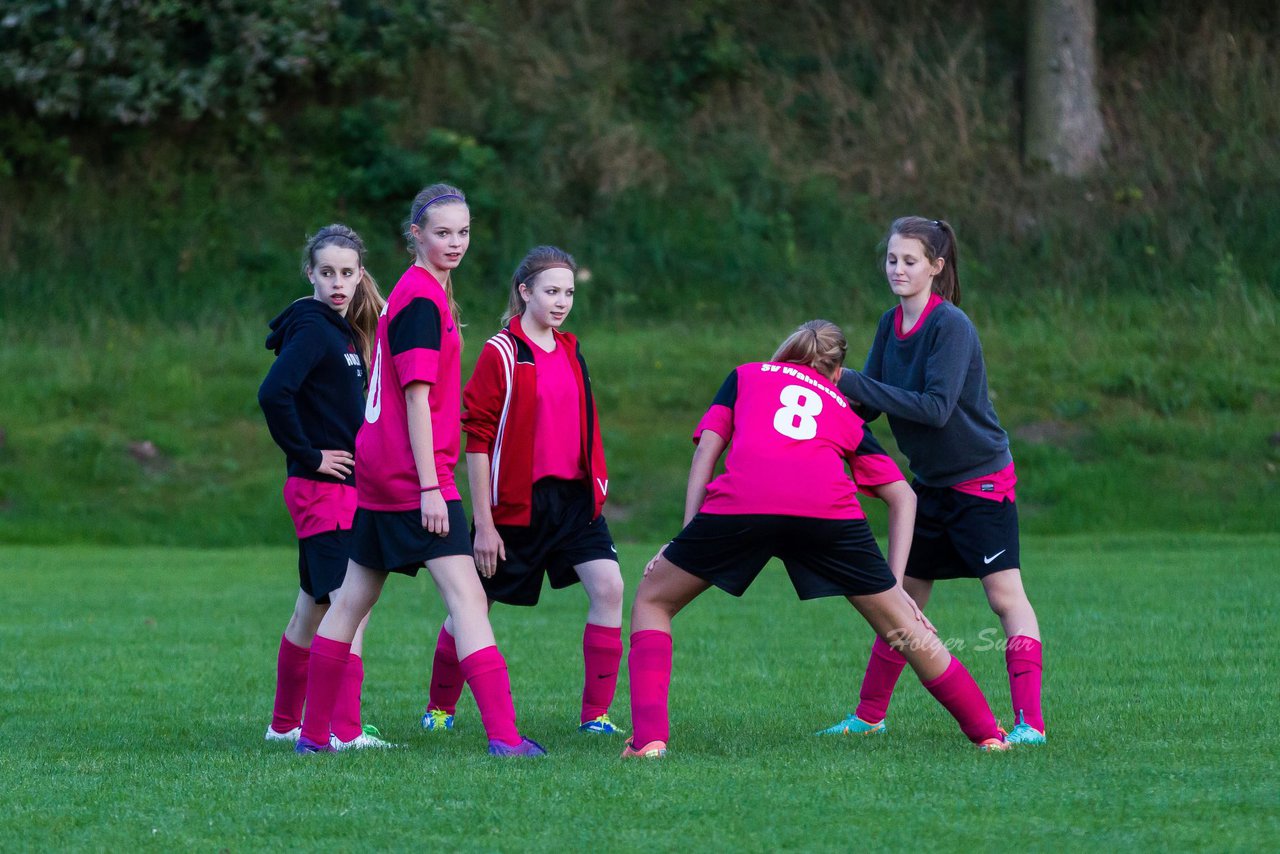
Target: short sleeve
x=871 y=465
x=414 y=336
x=719 y=418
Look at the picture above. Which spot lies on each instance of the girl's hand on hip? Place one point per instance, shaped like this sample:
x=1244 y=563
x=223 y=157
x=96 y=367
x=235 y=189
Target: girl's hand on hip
x=336 y=464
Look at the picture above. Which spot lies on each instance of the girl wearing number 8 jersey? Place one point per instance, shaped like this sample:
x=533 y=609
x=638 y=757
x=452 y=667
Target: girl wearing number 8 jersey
x=787 y=416
x=408 y=511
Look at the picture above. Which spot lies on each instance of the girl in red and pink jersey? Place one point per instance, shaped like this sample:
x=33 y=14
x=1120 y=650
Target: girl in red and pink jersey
x=536 y=466
x=926 y=372
x=408 y=510
x=313 y=400
x=787 y=415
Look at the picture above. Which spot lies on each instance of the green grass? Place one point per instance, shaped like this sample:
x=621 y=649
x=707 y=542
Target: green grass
x=139 y=682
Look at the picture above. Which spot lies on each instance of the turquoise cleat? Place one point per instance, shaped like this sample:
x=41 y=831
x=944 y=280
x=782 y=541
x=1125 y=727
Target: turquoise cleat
x=1025 y=733
x=854 y=725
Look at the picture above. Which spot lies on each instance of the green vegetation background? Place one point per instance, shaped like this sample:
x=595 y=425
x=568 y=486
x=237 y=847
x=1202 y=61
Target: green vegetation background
x=721 y=175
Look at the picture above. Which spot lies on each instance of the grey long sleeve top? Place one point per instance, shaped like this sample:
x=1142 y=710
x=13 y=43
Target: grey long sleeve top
x=932 y=385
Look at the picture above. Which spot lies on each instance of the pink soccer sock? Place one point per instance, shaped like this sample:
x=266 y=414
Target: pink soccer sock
x=291 y=685
x=1022 y=657
x=649 y=665
x=446 y=675
x=883 y=670
x=324 y=680
x=486 y=672
x=956 y=690
x=601 y=655
x=346 y=710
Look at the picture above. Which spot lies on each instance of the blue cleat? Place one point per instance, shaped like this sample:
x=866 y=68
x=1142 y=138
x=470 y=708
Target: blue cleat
x=854 y=725
x=601 y=726
x=437 y=720
x=526 y=747
x=306 y=745
x=1025 y=733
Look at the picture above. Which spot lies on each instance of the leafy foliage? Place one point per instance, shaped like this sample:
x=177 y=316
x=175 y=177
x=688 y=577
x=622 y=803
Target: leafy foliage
x=135 y=62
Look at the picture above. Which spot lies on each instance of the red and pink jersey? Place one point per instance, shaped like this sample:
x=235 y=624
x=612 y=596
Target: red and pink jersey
x=790 y=431
x=557 y=435
x=417 y=341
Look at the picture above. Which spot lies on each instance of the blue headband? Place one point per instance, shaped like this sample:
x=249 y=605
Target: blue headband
x=431 y=202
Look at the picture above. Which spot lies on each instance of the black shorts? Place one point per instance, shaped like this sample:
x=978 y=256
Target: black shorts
x=958 y=535
x=395 y=541
x=824 y=557
x=322 y=563
x=561 y=535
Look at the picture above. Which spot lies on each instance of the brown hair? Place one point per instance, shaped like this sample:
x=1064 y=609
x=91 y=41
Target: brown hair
x=428 y=199
x=819 y=344
x=939 y=241
x=539 y=260
x=367 y=301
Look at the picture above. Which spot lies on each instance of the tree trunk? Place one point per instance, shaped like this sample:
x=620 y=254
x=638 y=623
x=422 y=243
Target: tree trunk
x=1064 y=124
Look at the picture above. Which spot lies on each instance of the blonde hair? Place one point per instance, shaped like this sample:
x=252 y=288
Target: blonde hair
x=818 y=344
x=367 y=301
x=429 y=198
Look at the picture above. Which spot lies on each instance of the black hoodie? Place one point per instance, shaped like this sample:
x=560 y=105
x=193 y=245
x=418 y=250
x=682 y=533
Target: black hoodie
x=313 y=396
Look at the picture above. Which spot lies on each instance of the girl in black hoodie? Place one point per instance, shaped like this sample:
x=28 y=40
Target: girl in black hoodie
x=313 y=399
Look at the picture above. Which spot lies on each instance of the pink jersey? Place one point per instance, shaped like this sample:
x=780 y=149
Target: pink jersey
x=417 y=341
x=790 y=432
x=557 y=437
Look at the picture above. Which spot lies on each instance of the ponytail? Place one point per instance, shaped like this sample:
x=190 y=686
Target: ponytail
x=366 y=306
x=819 y=344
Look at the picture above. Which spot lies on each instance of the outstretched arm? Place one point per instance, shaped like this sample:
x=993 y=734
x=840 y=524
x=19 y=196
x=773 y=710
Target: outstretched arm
x=901 y=500
x=705 y=457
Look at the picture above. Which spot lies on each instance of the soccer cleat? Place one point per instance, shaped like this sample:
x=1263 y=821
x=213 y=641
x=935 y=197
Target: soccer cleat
x=601 y=726
x=436 y=720
x=1025 y=733
x=526 y=747
x=994 y=744
x=368 y=738
x=306 y=745
x=854 y=725
x=652 y=750
x=291 y=736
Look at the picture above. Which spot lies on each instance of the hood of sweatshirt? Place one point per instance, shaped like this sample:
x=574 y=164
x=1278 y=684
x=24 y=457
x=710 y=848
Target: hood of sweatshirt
x=303 y=311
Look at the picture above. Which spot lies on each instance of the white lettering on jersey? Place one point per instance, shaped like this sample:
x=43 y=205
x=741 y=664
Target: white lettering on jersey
x=795 y=419
x=604 y=486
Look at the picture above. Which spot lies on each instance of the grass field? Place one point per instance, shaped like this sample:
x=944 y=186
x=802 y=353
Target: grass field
x=139 y=681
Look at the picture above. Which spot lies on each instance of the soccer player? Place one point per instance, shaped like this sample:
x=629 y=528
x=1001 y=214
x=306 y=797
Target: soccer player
x=313 y=400
x=408 y=511
x=926 y=372
x=535 y=462
x=787 y=416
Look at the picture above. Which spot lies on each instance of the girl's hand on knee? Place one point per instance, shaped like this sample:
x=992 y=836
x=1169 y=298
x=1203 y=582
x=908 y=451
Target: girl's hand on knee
x=916 y=612
x=648 y=567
